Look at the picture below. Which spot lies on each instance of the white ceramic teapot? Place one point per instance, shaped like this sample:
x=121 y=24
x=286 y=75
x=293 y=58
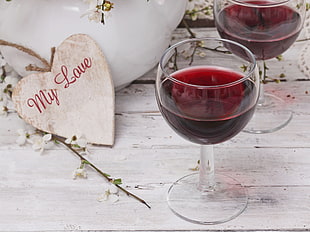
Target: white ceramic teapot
x=132 y=39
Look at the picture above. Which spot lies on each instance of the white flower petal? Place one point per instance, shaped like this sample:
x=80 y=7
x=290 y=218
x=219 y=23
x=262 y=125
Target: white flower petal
x=68 y=141
x=2 y=61
x=21 y=131
x=21 y=140
x=113 y=198
x=36 y=146
x=79 y=172
x=47 y=137
x=113 y=189
x=102 y=197
x=11 y=80
x=81 y=142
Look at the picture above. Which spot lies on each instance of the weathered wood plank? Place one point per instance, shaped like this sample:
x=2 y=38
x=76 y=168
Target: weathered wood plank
x=39 y=188
x=38 y=193
x=139 y=123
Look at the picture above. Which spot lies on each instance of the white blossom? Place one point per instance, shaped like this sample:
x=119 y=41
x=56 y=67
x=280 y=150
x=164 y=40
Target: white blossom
x=171 y=65
x=95 y=11
x=2 y=61
x=3 y=96
x=8 y=84
x=201 y=54
x=24 y=134
x=78 y=142
x=3 y=109
x=199 y=9
x=40 y=143
x=187 y=50
x=79 y=172
x=11 y=79
x=9 y=69
x=2 y=64
x=111 y=194
x=95 y=15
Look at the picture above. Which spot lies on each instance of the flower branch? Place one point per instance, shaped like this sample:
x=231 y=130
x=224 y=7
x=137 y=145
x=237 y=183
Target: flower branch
x=116 y=182
x=189 y=30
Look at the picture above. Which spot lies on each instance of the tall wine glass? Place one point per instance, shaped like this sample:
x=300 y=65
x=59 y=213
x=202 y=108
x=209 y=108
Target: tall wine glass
x=207 y=98
x=268 y=28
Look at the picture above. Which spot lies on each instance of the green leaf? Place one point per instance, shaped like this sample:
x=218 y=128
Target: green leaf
x=105 y=174
x=75 y=146
x=85 y=162
x=117 y=181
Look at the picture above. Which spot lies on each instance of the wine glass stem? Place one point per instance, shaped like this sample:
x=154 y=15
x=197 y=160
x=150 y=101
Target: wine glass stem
x=262 y=76
x=261 y=99
x=206 y=169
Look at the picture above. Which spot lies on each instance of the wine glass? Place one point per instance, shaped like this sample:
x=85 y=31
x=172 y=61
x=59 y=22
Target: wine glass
x=207 y=97
x=268 y=28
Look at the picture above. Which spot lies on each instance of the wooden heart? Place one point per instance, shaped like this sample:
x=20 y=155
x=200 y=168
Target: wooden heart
x=75 y=98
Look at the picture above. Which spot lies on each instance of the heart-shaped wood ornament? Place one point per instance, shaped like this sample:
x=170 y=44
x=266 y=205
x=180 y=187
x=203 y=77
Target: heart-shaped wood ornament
x=76 y=98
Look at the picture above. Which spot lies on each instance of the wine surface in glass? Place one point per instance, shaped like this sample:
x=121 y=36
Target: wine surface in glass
x=207 y=115
x=266 y=31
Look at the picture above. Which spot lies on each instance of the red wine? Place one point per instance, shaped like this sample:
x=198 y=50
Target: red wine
x=266 y=31
x=207 y=115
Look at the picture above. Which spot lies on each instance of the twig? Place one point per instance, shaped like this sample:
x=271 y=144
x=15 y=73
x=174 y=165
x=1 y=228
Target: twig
x=192 y=34
x=217 y=49
x=61 y=140
x=193 y=54
x=175 y=56
x=302 y=40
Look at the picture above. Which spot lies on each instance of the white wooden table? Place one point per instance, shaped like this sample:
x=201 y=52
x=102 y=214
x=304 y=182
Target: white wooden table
x=38 y=193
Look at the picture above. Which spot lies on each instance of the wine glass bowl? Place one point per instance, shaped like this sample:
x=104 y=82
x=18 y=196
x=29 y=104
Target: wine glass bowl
x=207 y=95
x=207 y=104
x=268 y=28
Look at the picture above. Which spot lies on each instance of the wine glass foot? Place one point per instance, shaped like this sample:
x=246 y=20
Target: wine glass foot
x=270 y=116
x=225 y=202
